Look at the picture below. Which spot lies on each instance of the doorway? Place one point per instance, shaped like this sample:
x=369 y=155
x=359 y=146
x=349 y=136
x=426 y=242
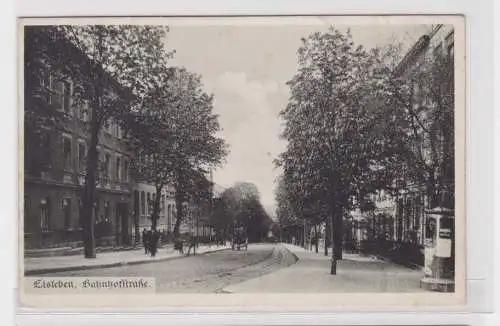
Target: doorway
x=122 y=225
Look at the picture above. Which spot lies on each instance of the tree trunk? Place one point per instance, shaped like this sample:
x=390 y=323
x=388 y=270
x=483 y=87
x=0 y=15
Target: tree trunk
x=179 y=204
x=327 y=230
x=338 y=233
x=89 y=197
x=431 y=193
x=136 y=228
x=156 y=209
x=180 y=198
x=333 y=262
x=316 y=238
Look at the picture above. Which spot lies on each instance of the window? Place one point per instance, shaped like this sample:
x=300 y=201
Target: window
x=81 y=157
x=107 y=211
x=45 y=78
x=118 y=169
x=143 y=203
x=125 y=170
x=118 y=131
x=46 y=149
x=62 y=95
x=81 y=221
x=101 y=166
x=169 y=214
x=58 y=93
x=98 y=218
x=83 y=111
x=149 y=201
x=66 y=208
x=66 y=100
x=44 y=214
x=107 y=166
x=137 y=205
x=109 y=128
x=67 y=153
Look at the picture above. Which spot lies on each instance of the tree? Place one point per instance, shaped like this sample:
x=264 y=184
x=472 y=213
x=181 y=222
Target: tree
x=151 y=140
x=186 y=115
x=287 y=220
x=221 y=218
x=355 y=124
x=111 y=68
x=173 y=132
x=333 y=128
x=240 y=205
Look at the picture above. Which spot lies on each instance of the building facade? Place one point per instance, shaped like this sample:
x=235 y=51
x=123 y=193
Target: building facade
x=398 y=219
x=55 y=167
x=53 y=181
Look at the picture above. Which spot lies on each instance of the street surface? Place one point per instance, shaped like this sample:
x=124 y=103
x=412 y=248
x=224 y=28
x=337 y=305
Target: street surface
x=355 y=274
x=206 y=273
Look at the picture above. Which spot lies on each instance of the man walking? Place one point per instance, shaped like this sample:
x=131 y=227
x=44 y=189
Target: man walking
x=153 y=242
x=145 y=241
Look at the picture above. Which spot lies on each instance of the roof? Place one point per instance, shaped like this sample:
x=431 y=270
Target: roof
x=419 y=47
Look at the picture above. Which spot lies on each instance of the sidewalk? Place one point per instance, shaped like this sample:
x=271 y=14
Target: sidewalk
x=46 y=265
x=355 y=273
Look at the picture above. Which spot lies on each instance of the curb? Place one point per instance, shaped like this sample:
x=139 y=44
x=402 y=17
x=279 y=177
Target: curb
x=295 y=257
x=437 y=285
x=405 y=265
x=110 y=265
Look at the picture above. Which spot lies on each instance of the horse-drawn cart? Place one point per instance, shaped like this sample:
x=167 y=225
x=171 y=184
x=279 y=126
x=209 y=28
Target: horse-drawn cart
x=240 y=238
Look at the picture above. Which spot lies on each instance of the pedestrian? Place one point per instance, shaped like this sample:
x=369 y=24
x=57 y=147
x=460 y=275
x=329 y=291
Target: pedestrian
x=153 y=242
x=145 y=241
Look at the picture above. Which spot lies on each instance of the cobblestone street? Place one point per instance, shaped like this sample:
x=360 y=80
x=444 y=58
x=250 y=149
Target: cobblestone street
x=210 y=272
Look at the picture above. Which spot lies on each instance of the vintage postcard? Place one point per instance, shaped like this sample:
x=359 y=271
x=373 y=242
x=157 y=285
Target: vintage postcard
x=249 y=162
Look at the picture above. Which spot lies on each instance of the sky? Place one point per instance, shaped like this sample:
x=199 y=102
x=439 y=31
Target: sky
x=246 y=67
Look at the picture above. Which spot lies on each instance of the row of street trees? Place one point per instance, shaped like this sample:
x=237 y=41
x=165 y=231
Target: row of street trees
x=240 y=205
x=353 y=127
x=120 y=73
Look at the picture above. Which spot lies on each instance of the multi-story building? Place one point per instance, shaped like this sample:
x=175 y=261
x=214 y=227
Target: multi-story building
x=412 y=198
x=55 y=167
x=54 y=173
x=144 y=196
x=400 y=217
x=196 y=220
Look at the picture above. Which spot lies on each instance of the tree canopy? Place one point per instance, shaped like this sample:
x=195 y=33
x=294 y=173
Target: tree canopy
x=354 y=127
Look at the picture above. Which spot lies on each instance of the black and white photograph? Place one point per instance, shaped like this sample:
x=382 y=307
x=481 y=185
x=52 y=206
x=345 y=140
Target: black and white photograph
x=238 y=155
